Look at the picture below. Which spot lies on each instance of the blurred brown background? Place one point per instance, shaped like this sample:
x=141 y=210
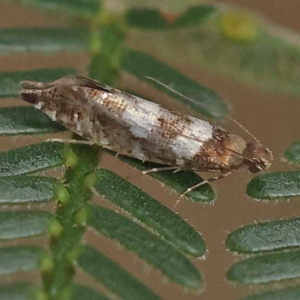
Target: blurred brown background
x=274 y=119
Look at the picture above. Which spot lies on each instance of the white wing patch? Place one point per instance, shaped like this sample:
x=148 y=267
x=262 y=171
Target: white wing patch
x=192 y=138
x=141 y=117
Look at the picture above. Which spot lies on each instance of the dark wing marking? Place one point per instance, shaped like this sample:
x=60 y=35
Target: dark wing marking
x=93 y=84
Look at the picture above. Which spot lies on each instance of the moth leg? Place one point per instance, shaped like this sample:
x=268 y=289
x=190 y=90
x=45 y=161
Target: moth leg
x=154 y=170
x=70 y=141
x=200 y=184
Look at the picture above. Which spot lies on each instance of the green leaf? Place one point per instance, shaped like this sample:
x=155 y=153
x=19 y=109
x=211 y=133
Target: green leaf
x=31 y=158
x=194 y=15
x=206 y=101
x=179 y=181
x=83 y=292
x=10 y=81
x=26 y=120
x=73 y=7
x=275 y=185
x=21 y=258
x=292 y=293
x=153 y=19
x=265 y=236
x=42 y=40
x=149 y=211
x=145 y=18
x=113 y=277
x=16 y=224
x=147 y=246
x=26 y=189
x=266 y=268
x=292 y=153
x=18 y=291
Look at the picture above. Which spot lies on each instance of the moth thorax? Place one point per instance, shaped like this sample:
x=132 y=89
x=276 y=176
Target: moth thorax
x=257 y=158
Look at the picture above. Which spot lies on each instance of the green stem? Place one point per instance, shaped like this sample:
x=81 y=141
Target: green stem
x=65 y=246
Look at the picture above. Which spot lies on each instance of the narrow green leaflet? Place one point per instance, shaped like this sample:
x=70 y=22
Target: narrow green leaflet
x=275 y=185
x=147 y=246
x=10 y=81
x=179 y=181
x=114 y=277
x=194 y=15
x=206 y=101
x=31 y=158
x=42 y=40
x=26 y=189
x=292 y=293
x=265 y=236
x=18 y=291
x=292 y=153
x=73 y=7
x=266 y=268
x=145 y=18
x=149 y=211
x=81 y=292
x=21 y=258
x=16 y=224
x=153 y=19
x=26 y=120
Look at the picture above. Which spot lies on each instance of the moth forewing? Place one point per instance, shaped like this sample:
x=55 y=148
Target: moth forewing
x=142 y=129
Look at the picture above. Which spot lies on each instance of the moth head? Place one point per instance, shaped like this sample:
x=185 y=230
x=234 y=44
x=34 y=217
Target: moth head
x=257 y=158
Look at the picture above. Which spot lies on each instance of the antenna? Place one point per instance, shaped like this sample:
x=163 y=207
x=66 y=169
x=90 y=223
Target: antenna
x=242 y=127
x=200 y=104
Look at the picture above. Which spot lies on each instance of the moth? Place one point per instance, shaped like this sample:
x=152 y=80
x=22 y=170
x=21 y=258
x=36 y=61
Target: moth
x=132 y=126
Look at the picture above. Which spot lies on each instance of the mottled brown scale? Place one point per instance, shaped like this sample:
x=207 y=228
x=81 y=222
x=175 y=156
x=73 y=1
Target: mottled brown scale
x=169 y=129
x=219 y=150
x=92 y=93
